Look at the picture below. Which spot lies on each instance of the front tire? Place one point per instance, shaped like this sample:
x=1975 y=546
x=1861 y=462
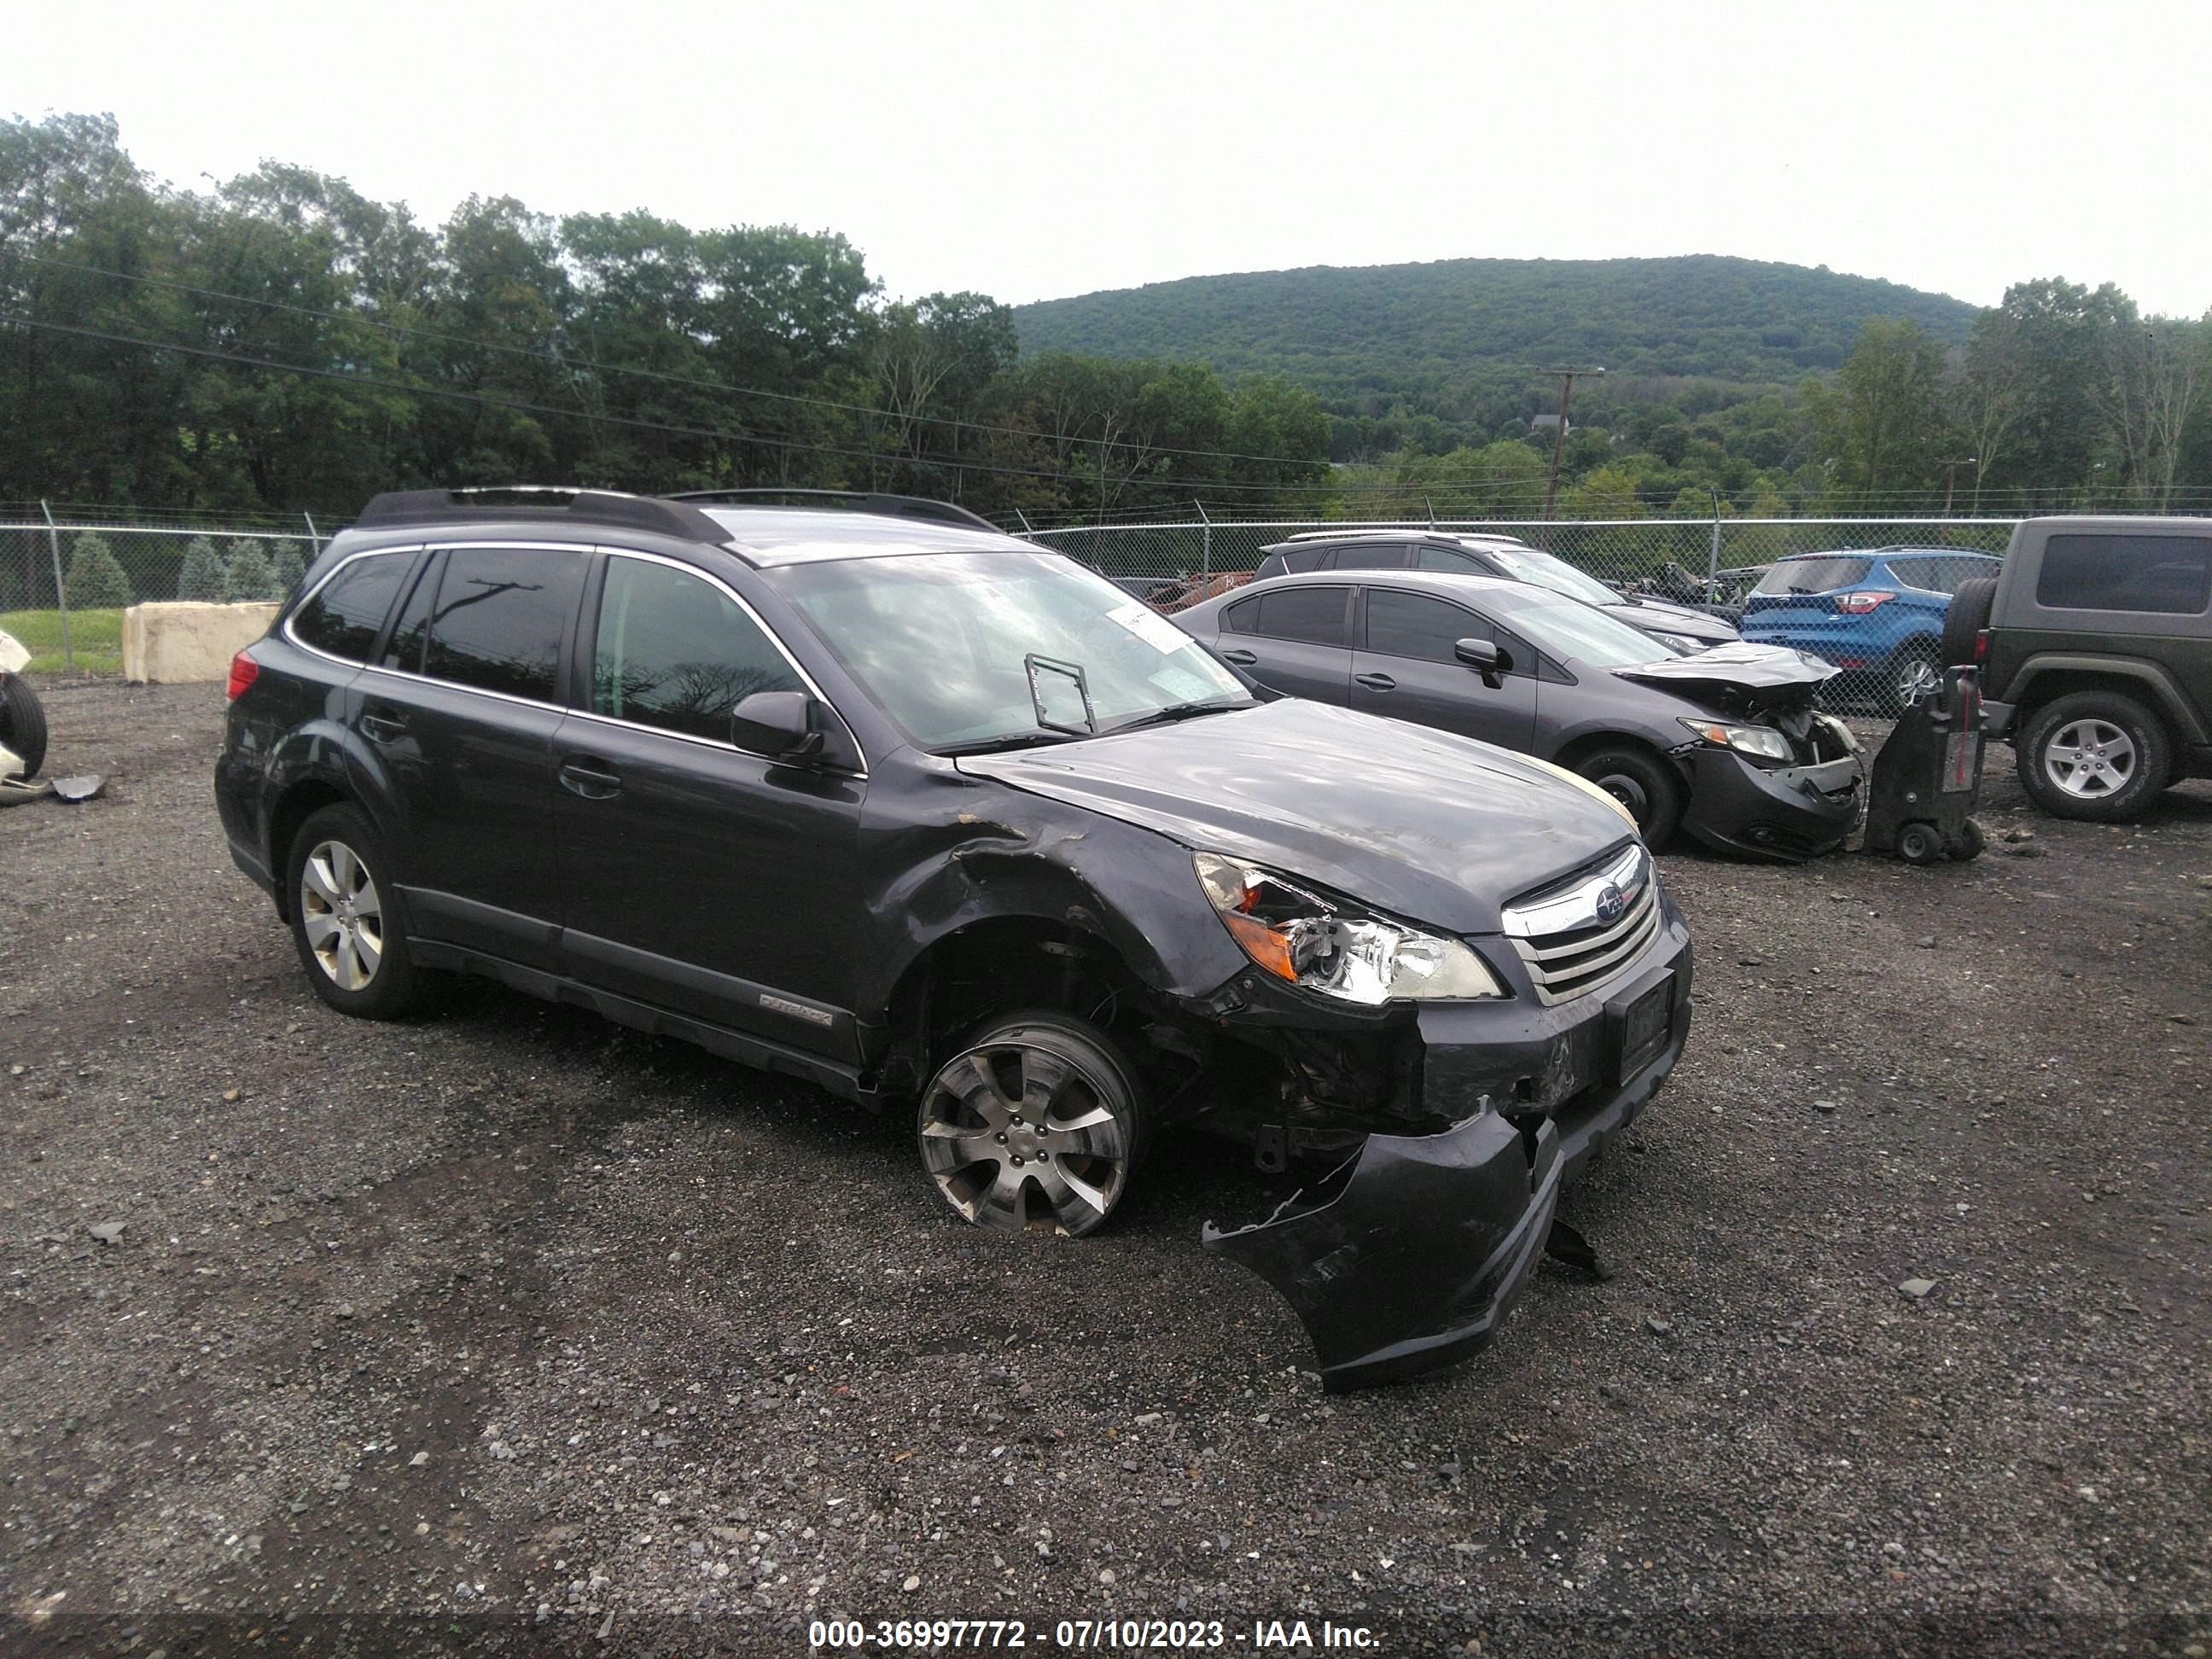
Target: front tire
x=1641 y=782
x=2097 y=755
x=1036 y=1120
x=347 y=921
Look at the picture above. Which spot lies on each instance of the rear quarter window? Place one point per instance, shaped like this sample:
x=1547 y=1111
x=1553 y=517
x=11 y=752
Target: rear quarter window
x=347 y=612
x=2167 y=575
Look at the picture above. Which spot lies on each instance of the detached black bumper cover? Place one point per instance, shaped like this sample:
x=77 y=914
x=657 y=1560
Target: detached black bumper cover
x=1784 y=813
x=1412 y=1254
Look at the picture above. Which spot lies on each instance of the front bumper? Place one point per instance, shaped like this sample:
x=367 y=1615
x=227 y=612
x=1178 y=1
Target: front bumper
x=1412 y=1253
x=1785 y=813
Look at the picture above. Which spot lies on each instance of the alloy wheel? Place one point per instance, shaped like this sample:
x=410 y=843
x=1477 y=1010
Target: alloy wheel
x=2089 y=759
x=343 y=915
x=1016 y=1136
x=1916 y=680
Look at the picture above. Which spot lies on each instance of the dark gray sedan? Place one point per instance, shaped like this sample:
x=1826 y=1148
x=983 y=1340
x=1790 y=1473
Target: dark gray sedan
x=1725 y=744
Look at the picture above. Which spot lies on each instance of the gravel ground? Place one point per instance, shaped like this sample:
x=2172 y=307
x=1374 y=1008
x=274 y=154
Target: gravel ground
x=506 y=1326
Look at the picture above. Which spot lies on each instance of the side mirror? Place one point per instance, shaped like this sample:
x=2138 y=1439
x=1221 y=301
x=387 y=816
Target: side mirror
x=778 y=724
x=1486 y=658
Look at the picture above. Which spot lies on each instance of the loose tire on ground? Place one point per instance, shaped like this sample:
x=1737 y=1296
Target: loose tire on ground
x=22 y=723
x=349 y=924
x=1036 y=1119
x=2097 y=755
x=1643 y=782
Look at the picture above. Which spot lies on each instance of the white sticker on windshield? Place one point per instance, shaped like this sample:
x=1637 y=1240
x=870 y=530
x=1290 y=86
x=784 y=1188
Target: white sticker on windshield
x=1148 y=625
x=1184 y=686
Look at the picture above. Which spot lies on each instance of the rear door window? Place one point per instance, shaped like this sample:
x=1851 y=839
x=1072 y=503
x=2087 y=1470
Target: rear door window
x=500 y=616
x=347 y=611
x=1370 y=556
x=2171 y=574
x=674 y=652
x=1314 y=615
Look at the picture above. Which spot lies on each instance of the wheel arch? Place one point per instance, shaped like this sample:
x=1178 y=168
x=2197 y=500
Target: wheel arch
x=299 y=800
x=2043 y=680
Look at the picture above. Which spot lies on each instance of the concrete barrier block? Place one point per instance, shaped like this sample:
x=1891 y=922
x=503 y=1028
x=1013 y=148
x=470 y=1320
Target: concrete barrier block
x=183 y=639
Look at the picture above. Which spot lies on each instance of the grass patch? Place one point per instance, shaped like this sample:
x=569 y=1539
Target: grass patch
x=95 y=639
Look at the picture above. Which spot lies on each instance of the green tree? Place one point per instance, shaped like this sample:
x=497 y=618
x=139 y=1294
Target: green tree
x=1884 y=423
x=248 y=575
x=96 y=579
x=286 y=569
x=202 y=575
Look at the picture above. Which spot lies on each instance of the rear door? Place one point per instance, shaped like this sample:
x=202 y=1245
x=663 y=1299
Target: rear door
x=1406 y=667
x=459 y=715
x=718 y=883
x=1295 y=638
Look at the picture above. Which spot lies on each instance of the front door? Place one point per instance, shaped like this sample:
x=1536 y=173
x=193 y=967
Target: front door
x=1406 y=667
x=713 y=882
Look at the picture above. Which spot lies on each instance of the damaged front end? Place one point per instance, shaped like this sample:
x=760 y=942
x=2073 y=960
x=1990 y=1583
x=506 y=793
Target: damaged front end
x=1457 y=1124
x=1773 y=777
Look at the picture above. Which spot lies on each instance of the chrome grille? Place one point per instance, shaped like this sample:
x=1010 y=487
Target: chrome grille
x=1564 y=939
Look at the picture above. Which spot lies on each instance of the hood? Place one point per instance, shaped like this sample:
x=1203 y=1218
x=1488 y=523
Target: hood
x=1435 y=828
x=1741 y=674
x=1651 y=614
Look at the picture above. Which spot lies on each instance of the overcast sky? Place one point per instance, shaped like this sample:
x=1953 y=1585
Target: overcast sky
x=1039 y=149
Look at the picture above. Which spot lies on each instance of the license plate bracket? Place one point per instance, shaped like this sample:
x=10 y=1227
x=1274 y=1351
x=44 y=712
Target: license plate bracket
x=1642 y=1018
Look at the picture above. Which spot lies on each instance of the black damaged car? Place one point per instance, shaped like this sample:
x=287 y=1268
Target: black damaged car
x=869 y=793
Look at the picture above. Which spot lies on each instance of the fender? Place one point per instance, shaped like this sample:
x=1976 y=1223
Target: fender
x=2165 y=690
x=1564 y=740
x=322 y=751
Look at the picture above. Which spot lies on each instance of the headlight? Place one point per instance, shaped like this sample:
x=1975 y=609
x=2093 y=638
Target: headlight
x=1763 y=741
x=1681 y=642
x=1323 y=947
x=1843 y=733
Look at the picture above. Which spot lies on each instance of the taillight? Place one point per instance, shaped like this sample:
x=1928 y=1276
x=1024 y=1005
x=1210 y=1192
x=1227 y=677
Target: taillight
x=1857 y=605
x=244 y=670
x=1981 y=646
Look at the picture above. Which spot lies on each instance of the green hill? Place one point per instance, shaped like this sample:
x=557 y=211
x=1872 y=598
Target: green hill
x=1435 y=334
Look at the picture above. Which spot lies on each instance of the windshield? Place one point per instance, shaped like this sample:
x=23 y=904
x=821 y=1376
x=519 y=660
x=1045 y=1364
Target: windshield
x=1526 y=564
x=1577 y=632
x=943 y=642
x=1812 y=575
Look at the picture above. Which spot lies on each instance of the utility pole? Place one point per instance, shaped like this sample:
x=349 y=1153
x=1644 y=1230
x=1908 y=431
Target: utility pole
x=1560 y=438
x=1951 y=473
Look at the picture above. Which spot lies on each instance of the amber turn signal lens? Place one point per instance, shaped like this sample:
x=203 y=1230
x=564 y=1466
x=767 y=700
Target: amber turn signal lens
x=1262 y=944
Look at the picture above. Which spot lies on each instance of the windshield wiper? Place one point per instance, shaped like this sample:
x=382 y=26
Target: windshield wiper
x=1006 y=740
x=1180 y=711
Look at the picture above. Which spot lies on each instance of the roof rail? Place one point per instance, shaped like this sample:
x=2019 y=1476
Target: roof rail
x=565 y=504
x=850 y=500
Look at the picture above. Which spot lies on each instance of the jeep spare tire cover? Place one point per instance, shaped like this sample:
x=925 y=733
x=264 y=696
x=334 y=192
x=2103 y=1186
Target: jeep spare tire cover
x=1968 y=616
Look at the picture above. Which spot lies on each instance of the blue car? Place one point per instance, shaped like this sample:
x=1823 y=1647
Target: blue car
x=1877 y=614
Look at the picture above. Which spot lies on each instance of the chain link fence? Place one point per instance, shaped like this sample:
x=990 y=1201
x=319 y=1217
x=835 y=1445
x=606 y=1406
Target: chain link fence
x=1875 y=606
x=67 y=575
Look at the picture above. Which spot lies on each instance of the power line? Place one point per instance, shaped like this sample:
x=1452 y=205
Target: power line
x=559 y=361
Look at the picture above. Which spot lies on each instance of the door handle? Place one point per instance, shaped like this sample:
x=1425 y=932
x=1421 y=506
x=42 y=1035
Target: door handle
x=1376 y=682
x=589 y=776
x=1241 y=658
x=382 y=725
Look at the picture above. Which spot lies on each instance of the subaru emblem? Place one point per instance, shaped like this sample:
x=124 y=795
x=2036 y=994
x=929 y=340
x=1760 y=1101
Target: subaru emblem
x=1611 y=903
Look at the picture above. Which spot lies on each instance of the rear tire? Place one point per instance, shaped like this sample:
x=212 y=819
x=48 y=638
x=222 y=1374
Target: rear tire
x=2096 y=755
x=1035 y=1120
x=22 y=723
x=1912 y=677
x=348 y=921
x=1645 y=784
